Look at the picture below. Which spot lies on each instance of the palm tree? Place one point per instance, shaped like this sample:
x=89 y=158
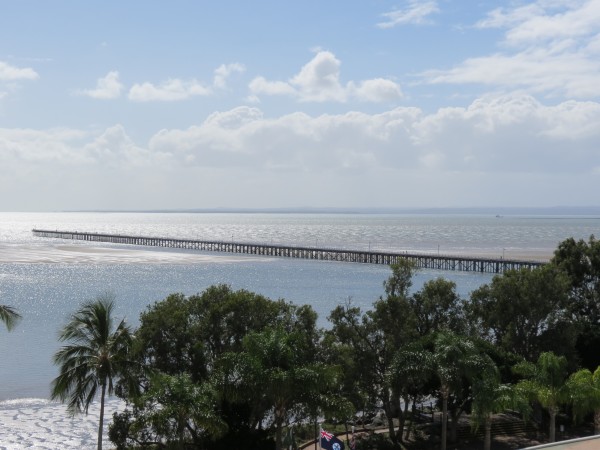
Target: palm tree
x=9 y=316
x=547 y=383
x=274 y=374
x=96 y=354
x=489 y=397
x=584 y=388
x=455 y=357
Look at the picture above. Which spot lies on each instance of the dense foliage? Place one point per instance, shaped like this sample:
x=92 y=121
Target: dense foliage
x=224 y=367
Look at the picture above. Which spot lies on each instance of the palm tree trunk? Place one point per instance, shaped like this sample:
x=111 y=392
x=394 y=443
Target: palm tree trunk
x=278 y=428
x=413 y=414
x=101 y=425
x=597 y=421
x=552 y=412
x=487 y=442
x=445 y=394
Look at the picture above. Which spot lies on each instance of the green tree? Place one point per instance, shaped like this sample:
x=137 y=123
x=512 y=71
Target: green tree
x=197 y=337
x=411 y=373
x=276 y=375
x=9 y=316
x=490 y=396
x=189 y=334
x=400 y=281
x=438 y=307
x=177 y=410
x=374 y=337
x=584 y=389
x=524 y=312
x=97 y=353
x=580 y=262
x=455 y=358
x=546 y=383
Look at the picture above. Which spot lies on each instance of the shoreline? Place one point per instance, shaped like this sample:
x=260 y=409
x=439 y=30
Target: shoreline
x=74 y=254
x=43 y=424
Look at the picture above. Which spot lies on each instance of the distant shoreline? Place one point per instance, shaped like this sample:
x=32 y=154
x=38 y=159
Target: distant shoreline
x=559 y=211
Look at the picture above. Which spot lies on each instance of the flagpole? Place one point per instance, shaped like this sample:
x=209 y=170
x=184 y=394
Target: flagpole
x=347 y=441
x=316 y=436
x=320 y=446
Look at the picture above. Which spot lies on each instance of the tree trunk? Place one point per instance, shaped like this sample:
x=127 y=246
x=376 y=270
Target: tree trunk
x=413 y=417
x=278 y=429
x=454 y=416
x=445 y=394
x=181 y=430
x=397 y=411
x=390 y=421
x=487 y=442
x=101 y=424
x=401 y=423
x=597 y=421
x=552 y=412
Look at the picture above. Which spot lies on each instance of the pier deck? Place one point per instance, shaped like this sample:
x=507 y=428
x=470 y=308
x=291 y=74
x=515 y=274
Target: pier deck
x=421 y=260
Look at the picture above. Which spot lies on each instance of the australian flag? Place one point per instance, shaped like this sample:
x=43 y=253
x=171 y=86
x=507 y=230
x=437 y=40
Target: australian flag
x=330 y=442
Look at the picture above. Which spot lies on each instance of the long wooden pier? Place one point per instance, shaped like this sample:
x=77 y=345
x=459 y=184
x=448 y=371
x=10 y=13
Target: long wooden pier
x=421 y=260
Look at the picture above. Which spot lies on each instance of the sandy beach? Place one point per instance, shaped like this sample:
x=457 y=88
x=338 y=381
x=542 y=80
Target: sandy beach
x=41 y=424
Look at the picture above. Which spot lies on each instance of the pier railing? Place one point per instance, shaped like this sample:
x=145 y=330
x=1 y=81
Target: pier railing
x=421 y=260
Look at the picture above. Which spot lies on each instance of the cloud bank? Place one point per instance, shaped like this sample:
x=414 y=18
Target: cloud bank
x=512 y=137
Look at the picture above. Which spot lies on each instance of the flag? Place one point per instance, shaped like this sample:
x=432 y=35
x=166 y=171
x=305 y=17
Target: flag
x=330 y=442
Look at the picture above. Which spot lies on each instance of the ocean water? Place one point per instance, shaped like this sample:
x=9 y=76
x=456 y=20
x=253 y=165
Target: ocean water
x=47 y=279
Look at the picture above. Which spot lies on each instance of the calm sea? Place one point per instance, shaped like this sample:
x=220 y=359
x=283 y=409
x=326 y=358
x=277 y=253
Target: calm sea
x=48 y=279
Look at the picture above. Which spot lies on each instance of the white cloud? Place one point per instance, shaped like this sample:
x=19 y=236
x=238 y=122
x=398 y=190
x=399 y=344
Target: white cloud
x=12 y=73
x=108 y=87
x=74 y=148
x=171 y=90
x=537 y=70
x=541 y=154
x=224 y=71
x=377 y=90
x=510 y=133
x=30 y=146
x=260 y=85
x=116 y=149
x=176 y=89
x=319 y=81
x=507 y=133
x=551 y=47
x=417 y=12
x=546 y=21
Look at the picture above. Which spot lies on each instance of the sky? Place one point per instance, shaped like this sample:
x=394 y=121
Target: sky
x=274 y=104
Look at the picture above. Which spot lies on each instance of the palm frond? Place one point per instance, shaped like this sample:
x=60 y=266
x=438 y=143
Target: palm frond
x=9 y=316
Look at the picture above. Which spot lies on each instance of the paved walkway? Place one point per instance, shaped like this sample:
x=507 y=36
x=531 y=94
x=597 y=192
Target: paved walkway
x=588 y=443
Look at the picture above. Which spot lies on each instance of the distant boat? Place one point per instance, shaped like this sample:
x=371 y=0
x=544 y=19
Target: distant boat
x=498 y=216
